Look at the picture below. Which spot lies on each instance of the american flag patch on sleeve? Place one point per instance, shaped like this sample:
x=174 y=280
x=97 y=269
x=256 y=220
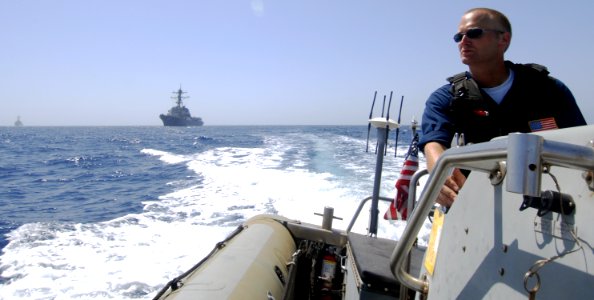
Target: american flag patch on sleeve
x=543 y=124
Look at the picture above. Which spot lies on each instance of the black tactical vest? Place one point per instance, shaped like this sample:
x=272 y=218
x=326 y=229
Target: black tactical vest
x=480 y=118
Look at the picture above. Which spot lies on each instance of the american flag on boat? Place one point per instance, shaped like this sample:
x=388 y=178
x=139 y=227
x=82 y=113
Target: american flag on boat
x=398 y=209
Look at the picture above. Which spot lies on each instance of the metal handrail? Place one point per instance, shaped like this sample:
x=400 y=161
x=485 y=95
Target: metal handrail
x=412 y=189
x=411 y=197
x=358 y=211
x=484 y=157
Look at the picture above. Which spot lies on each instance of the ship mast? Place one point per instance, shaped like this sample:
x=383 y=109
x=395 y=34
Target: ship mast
x=179 y=96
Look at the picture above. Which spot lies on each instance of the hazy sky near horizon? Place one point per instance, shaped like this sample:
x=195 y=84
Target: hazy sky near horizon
x=259 y=62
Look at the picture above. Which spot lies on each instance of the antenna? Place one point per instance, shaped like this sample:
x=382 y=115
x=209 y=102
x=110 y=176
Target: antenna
x=413 y=125
x=398 y=129
x=383 y=126
x=369 y=125
x=388 y=119
x=383 y=107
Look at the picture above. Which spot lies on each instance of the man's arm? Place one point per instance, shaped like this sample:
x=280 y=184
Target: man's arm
x=432 y=151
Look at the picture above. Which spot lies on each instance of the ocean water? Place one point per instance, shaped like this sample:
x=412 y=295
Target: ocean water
x=116 y=212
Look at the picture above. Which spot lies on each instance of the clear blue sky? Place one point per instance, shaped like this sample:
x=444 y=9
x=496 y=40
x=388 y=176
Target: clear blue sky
x=259 y=62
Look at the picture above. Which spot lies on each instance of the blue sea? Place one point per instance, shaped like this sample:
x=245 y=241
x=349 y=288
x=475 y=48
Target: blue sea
x=116 y=212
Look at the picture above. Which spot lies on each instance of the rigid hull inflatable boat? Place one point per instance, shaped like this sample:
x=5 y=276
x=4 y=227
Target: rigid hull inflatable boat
x=521 y=227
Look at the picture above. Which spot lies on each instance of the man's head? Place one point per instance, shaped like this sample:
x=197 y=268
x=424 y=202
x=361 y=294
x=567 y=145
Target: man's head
x=483 y=36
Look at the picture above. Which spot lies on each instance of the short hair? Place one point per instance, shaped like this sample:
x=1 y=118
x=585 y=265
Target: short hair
x=496 y=16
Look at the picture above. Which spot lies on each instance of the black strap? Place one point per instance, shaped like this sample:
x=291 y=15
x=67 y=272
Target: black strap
x=463 y=87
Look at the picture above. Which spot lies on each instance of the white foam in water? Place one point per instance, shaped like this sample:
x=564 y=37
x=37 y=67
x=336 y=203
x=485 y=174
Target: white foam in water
x=135 y=255
x=123 y=258
x=165 y=156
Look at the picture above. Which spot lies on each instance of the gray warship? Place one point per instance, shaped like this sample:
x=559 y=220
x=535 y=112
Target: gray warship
x=18 y=122
x=179 y=115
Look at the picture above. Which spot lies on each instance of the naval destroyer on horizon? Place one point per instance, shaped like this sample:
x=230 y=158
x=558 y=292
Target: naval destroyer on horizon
x=18 y=122
x=179 y=115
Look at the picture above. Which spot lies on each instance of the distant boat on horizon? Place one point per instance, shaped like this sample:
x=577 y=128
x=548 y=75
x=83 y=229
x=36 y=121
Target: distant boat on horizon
x=18 y=122
x=179 y=115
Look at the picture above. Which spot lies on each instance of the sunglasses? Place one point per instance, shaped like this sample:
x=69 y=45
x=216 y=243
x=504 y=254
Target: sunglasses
x=473 y=33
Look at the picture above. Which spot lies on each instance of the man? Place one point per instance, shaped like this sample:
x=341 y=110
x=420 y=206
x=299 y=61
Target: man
x=495 y=97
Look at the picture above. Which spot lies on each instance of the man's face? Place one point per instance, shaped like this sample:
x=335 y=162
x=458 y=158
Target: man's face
x=488 y=46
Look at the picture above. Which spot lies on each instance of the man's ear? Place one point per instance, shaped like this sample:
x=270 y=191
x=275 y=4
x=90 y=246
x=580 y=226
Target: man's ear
x=505 y=40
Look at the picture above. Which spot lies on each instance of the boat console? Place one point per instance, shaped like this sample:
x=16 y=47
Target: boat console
x=520 y=226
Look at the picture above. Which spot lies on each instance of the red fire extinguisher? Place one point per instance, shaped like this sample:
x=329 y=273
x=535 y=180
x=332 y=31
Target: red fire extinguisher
x=328 y=271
